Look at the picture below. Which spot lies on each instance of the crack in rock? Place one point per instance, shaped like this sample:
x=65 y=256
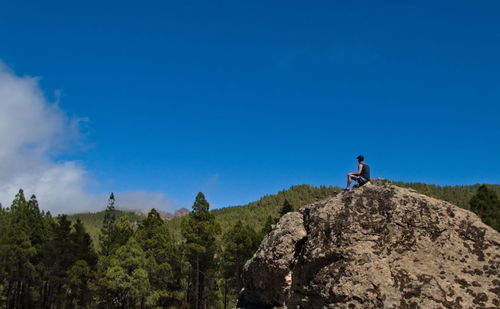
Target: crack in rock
x=379 y=246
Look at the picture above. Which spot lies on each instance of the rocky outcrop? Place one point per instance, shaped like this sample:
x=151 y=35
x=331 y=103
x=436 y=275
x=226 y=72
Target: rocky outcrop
x=181 y=212
x=379 y=246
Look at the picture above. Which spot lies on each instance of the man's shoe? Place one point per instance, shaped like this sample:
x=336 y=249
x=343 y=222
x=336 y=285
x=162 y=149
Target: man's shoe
x=347 y=189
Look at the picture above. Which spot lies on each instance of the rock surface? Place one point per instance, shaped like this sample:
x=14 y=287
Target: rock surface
x=379 y=246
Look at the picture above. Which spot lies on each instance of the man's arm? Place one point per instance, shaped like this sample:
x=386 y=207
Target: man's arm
x=360 y=169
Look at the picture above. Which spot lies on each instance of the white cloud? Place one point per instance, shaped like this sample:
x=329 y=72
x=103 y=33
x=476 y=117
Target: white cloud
x=32 y=132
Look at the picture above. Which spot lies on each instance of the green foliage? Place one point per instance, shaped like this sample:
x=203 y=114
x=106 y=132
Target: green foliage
x=481 y=196
x=93 y=222
x=124 y=283
x=106 y=238
x=200 y=206
x=457 y=195
x=487 y=206
x=240 y=242
x=18 y=252
x=82 y=245
x=122 y=232
x=268 y=226
x=39 y=257
x=287 y=207
x=165 y=265
x=78 y=285
x=190 y=262
x=255 y=214
x=200 y=230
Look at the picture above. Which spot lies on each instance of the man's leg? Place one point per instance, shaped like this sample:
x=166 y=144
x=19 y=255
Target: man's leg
x=349 y=180
x=361 y=181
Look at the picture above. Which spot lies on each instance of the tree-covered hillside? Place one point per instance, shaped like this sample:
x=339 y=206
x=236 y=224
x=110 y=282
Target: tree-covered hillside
x=256 y=213
x=457 y=195
x=253 y=214
x=146 y=262
x=93 y=220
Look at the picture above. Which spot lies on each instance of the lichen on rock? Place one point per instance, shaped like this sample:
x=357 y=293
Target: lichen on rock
x=379 y=246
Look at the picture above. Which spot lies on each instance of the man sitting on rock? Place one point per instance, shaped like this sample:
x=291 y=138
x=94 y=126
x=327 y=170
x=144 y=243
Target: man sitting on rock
x=361 y=177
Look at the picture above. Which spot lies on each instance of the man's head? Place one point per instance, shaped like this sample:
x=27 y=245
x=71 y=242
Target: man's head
x=361 y=158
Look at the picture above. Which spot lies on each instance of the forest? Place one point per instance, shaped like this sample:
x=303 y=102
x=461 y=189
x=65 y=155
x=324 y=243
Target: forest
x=146 y=262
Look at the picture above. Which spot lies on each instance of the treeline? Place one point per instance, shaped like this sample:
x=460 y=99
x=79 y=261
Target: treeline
x=457 y=195
x=483 y=200
x=45 y=262
x=48 y=262
x=256 y=213
x=52 y=262
x=190 y=262
x=93 y=221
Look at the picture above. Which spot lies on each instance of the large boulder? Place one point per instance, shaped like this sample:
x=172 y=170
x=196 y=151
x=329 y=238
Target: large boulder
x=379 y=246
x=268 y=276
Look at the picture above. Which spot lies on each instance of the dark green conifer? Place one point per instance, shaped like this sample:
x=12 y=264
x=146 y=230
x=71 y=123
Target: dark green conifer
x=18 y=254
x=82 y=244
x=124 y=283
x=108 y=227
x=165 y=264
x=240 y=243
x=200 y=230
x=286 y=208
x=487 y=206
x=268 y=226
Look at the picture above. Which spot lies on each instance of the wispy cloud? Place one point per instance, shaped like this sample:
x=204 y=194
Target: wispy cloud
x=211 y=182
x=145 y=200
x=32 y=132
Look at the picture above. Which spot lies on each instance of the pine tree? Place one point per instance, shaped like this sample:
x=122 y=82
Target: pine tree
x=165 y=263
x=78 y=285
x=82 y=245
x=122 y=232
x=200 y=230
x=286 y=208
x=487 y=206
x=3 y=264
x=268 y=226
x=62 y=259
x=240 y=244
x=82 y=259
x=108 y=227
x=125 y=282
x=20 y=251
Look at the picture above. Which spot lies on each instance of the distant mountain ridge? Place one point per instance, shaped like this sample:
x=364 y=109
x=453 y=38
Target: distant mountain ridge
x=165 y=215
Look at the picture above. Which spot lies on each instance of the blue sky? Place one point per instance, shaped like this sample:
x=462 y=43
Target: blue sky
x=244 y=98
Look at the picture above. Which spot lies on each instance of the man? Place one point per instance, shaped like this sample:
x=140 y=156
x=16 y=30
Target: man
x=361 y=177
